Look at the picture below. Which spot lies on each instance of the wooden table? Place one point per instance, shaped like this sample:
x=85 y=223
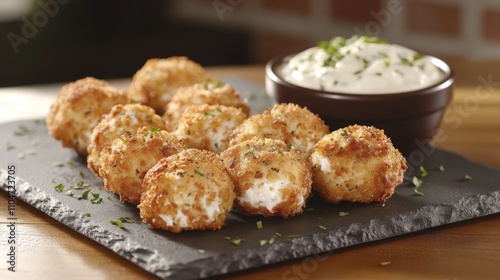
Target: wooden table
x=465 y=250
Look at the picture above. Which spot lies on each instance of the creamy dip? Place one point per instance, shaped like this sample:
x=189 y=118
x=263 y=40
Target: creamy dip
x=361 y=65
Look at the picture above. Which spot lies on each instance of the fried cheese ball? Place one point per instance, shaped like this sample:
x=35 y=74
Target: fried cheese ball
x=124 y=164
x=158 y=80
x=78 y=108
x=122 y=118
x=208 y=92
x=271 y=177
x=286 y=121
x=191 y=190
x=208 y=127
x=356 y=164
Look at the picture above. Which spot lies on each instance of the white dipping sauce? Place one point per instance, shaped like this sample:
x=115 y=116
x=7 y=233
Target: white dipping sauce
x=361 y=65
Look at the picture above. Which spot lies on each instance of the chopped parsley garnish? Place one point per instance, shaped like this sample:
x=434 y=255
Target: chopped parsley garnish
x=70 y=163
x=423 y=172
x=126 y=220
x=212 y=84
x=343 y=214
x=94 y=198
x=117 y=223
x=292 y=236
x=198 y=172
x=332 y=47
x=152 y=131
x=59 y=188
x=86 y=215
x=260 y=225
x=417 y=183
x=235 y=240
x=275 y=169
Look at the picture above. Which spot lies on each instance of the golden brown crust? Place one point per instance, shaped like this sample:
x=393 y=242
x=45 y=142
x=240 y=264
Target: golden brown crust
x=122 y=119
x=287 y=122
x=158 y=80
x=78 y=109
x=124 y=164
x=208 y=92
x=191 y=190
x=271 y=178
x=357 y=164
x=208 y=127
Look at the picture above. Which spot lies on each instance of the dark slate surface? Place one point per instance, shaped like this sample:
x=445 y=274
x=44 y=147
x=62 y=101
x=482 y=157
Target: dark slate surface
x=41 y=164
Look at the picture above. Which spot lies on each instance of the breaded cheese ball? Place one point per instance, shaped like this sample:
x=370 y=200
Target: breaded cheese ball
x=158 y=80
x=78 y=108
x=271 y=177
x=122 y=118
x=356 y=164
x=191 y=190
x=288 y=122
x=208 y=127
x=124 y=164
x=208 y=92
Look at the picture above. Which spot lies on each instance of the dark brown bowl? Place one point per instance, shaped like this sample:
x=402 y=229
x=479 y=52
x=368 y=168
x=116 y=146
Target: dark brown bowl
x=409 y=118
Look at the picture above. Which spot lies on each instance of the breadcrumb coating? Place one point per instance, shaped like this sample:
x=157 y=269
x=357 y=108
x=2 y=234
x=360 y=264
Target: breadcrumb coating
x=122 y=118
x=357 y=164
x=124 y=164
x=271 y=178
x=287 y=122
x=78 y=108
x=158 y=80
x=209 y=92
x=191 y=190
x=208 y=127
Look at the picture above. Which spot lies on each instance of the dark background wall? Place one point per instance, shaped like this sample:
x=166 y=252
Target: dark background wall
x=106 y=39
x=113 y=38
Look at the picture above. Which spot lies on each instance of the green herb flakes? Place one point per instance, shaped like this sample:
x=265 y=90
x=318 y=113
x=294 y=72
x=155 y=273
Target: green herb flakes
x=292 y=236
x=260 y=225
x=423 y=172
x=417 y=182
x=198 y=172
x=126 y=220
x=467 y=177
x=59 y=188
x=117 y=223
x=86 y=215
x=235 y=240
x=343 y=214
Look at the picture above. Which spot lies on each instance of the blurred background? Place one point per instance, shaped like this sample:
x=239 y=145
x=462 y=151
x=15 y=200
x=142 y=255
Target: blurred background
x=43 y=41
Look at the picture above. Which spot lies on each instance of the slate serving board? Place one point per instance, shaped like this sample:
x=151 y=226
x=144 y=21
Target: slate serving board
x=55 y=180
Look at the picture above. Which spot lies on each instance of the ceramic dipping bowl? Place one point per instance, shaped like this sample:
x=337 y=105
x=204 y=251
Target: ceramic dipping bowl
x=409 y=118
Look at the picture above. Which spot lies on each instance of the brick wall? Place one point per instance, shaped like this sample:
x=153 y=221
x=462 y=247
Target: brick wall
x=446 y=28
